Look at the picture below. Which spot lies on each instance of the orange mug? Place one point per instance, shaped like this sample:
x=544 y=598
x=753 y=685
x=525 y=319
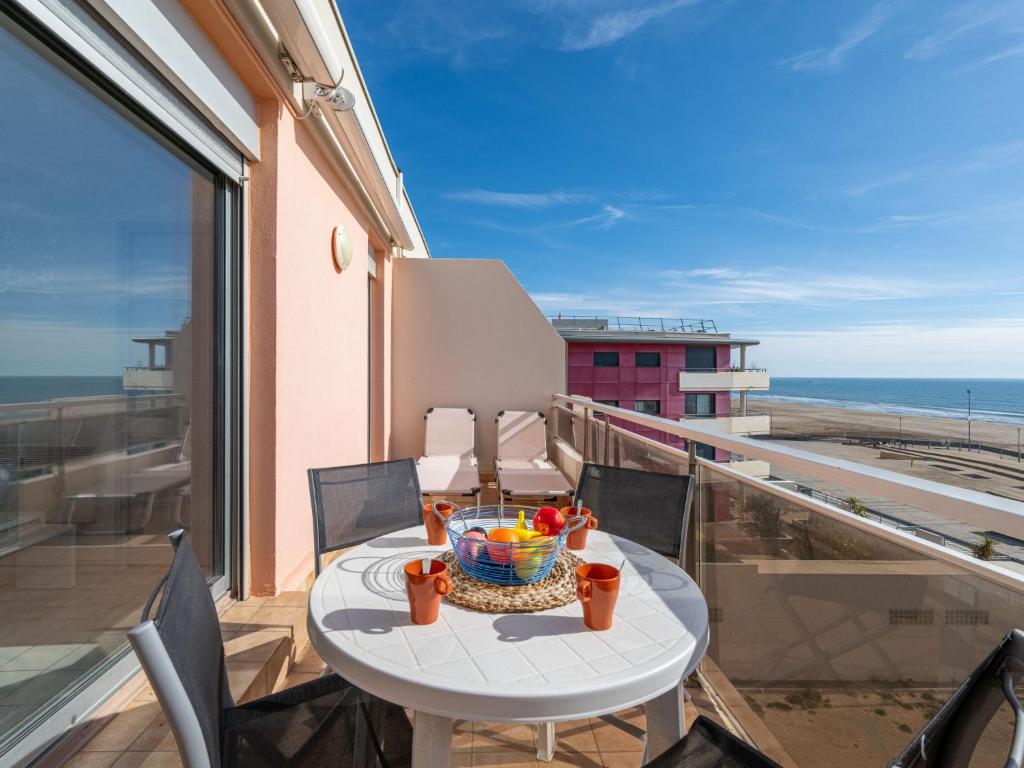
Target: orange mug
x=597 y=587
x=425 y=590
x=435 y=526
x=578 y=538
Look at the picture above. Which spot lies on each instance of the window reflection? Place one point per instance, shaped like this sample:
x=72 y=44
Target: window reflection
x=107 y=252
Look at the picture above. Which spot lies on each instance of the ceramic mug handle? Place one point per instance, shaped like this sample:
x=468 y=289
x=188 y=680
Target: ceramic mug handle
x=592 y=522
x=443 y=585
x=583 y=591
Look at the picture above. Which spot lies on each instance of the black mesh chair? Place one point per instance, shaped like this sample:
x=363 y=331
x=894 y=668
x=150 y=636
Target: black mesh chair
x=707 y=745
x=950 y=738
x=649 y=508
x=357 y=503
x=323 y=722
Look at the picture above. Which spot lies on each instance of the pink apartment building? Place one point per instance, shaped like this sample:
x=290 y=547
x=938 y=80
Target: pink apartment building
x=675 y=368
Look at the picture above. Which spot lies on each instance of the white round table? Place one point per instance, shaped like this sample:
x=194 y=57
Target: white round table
x=525 y=667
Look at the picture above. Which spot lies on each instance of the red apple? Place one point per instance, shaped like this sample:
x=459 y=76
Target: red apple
x=548 y=521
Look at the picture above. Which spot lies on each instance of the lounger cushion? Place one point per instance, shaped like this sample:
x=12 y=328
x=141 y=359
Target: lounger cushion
x=535 y=478
x=448 y=474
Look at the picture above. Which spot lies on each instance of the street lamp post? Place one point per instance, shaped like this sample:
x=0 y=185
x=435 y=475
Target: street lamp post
x=901 y=430
x=968 y=421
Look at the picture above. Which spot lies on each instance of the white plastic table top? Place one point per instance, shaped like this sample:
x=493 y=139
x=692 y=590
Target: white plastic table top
x=523 y=667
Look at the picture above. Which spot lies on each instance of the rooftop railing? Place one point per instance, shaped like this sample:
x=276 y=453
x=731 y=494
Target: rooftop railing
x=620 y=323
x=834 y=636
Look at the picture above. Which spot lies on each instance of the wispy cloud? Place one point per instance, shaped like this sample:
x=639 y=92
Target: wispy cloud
x=610 y=27
x=991 y=157
x=963 y=21
x=554 y=197
x=832 y=58
x=522 y=199
x=676 y=293
x=910 y=349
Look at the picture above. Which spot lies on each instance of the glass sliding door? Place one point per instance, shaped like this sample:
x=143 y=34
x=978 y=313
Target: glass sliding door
x=115 y=406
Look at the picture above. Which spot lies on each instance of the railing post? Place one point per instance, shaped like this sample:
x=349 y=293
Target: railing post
x=690 y=564
x=608 y=439
x=587 y=416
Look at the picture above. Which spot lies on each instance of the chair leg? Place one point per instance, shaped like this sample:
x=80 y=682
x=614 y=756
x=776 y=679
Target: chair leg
x=545 y=741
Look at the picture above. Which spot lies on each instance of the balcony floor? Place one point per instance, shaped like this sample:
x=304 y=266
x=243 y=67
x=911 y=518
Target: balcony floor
x=257 y=633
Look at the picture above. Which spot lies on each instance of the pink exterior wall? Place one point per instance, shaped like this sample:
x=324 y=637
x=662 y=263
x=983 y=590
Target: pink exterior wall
x=627 y=383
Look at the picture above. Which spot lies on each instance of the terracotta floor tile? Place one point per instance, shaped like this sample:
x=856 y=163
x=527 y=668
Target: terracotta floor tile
x=504 y=737
x=247 y=681
x=505 y=760
x=148 y=760
x=125 y=727
x=574 y=759
x=288 y=599
x=576 y=736
x=93 y=760
x=253 y=647
x=621 y=759
x=309 y=661
x=462 y=735
x=613 y=739
x=157 y=737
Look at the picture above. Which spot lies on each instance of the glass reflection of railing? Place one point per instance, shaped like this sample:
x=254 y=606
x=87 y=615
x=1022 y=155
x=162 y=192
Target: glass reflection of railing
x=36 y=437
x=834 y=638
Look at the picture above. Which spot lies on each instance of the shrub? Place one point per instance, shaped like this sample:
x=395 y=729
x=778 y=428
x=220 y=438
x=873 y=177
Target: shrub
x=985 y=549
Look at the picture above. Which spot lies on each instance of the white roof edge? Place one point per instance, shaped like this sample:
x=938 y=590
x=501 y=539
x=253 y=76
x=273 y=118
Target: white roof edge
x=315 y=36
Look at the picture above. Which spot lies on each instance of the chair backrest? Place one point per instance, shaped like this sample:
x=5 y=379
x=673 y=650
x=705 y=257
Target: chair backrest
x=357 y=503
x=522 y=435
x=450 y=432
x=949 y=739
x=183 y=655
x=649 y=508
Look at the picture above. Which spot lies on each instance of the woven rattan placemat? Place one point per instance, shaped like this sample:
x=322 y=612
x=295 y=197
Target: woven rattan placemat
x=558 y=588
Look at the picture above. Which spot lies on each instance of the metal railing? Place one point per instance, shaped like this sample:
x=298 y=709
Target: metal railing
x=731 y=413
x=620 y=323
x=834 y=636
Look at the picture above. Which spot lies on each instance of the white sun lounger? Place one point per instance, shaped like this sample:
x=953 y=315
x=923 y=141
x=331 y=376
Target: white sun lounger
x=522 y=459
x=448 y=466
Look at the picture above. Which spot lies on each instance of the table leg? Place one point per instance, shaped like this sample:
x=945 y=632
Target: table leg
x=431 y=740
x=665 y=722
x=546 y=741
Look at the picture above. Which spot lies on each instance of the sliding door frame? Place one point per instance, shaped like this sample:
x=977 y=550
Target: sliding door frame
x=70 y=32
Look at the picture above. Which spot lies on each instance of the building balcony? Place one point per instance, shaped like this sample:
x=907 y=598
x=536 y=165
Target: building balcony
x=737 y=422
x=723 y=379
x=148 y=378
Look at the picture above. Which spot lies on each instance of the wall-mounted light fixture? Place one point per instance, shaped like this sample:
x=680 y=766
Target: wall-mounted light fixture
x=341 y=248
x=337 y=98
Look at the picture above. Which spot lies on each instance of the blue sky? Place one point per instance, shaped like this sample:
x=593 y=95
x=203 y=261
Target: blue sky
x=96 y=227
x=844 y=181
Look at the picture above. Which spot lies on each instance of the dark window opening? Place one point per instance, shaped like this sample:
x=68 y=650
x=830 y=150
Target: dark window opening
x=612 y=403
x=698 y=404
x=648 y=359
x=701 y=359
x=650 y=407
x=705 y=451
x=606 y=359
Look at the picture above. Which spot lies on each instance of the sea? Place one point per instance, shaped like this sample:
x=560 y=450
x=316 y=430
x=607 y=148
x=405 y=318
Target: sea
x=999 y=400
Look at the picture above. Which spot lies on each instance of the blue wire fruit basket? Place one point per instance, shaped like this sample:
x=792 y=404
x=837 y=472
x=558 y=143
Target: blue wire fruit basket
x=504 y=563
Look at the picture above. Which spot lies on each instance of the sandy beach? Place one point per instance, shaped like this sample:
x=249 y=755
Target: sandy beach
x=788 y=419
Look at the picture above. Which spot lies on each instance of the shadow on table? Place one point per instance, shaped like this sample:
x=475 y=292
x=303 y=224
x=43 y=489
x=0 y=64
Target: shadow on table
x=369 y=621
x=384 y=576
x=519 y=627
x=394 y=542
